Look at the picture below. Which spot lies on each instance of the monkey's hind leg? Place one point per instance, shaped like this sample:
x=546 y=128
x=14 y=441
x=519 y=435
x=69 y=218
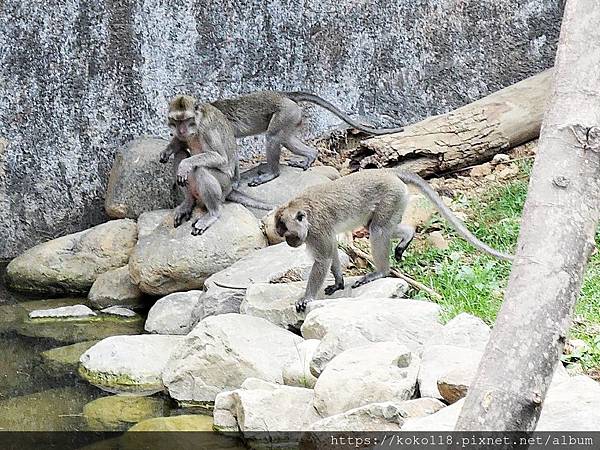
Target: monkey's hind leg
x=380 y=238
x=296 y=146
x=336 y=270
x=210 y=185
x=273 y=155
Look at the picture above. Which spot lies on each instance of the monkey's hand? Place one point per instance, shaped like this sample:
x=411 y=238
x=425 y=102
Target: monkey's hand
x=183 y=172
x=165 y=155
x=301 y=304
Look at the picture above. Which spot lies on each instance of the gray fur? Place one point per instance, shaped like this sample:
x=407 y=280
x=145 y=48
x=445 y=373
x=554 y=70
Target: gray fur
x=278 y=115
x=375 y=198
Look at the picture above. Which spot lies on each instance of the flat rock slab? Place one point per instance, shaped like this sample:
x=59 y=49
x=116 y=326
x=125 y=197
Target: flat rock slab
x=373 y=373
x=342 y=324
x=129 y=192
x=276 y=301
x=169 y=259
x=222 y=351
x=173 y=314
x=63 y=312
x=115 y=288
x=290 y=182
x=118 y=413
x=128 y=364
x=71 y=264
x=119 y=311
x=187 y=422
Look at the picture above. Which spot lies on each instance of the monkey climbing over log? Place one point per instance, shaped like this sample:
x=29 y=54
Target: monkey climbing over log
x=278 y=115
x=375 y=198
x=208 y=176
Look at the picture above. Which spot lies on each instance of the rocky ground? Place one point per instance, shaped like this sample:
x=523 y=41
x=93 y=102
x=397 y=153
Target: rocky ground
x=210 y=321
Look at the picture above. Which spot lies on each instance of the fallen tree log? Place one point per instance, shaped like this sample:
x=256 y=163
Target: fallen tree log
x=466 y=136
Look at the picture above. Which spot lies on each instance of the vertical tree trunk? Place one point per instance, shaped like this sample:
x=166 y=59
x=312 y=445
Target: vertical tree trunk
x=556 y=239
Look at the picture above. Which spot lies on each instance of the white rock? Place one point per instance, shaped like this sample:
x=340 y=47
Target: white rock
x=173 y=314
x=222 y=351
x=374 y=373
x=168 y=259
x=63 y=312
x=296 y=371
x=115 y=288
x=128 y=364
x=276 y=302
x=341 y=325
x=119 y=311
x=217 y=300
x=443 y=420
x=386 y=416
x=437 y=360
x=463 y=330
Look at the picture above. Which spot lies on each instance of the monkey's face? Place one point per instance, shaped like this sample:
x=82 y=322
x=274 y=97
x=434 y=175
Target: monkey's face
x=292 y=225
x=183 y=129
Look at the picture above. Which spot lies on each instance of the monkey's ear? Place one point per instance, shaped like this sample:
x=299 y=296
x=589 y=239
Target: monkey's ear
x=300 y=216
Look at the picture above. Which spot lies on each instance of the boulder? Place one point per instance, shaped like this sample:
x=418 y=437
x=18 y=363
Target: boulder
x=138 y=182
x=115 y=288
x=173 y=314
x=437 y=360
x=443 y=420
x=386 y=416
x=118 y=413
x=258 y=412
x=62 y=312
x=276 y=301
x=169 y=259
x=128 y=364
x=222 y=351
x=119 y=311
x=465 y=331
x=217 y=300
x=71 y=264
x=62 y=360
x=290 y=182
x=296 y=371
x=373 y=373
x=454 y=384
x=342 y=324
x=187 y=422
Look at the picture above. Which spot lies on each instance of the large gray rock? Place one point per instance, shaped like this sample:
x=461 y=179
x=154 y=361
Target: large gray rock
x=386 y=416
x=256 y=412
x=128 y=364
x=95 y=101
x=296 y=371
x=465 y=331
x=343 y=324
x=276 y=301
x=222 y=351
x=115 y=288
x=438 y=360
x=290 y=182
x=71 y=264
x=138 y=182
x=173 y=314
x=169 y=259
x=373 y=373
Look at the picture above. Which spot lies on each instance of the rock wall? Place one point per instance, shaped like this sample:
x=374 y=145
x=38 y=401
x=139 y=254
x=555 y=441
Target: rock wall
x=78 y=78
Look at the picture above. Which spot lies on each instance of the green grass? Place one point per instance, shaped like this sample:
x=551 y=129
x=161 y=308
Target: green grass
x=472 y=282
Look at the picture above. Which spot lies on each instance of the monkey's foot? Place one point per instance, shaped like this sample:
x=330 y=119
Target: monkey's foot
x=334 y=287
x=182 y=215
x=399 y=250
x=303 y=164
x=301 y=304
x=261 y=179
x=368 y=278
x=202 y=224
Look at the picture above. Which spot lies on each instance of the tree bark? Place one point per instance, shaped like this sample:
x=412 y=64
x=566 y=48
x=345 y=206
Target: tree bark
x=469 y=135
x=556 y=239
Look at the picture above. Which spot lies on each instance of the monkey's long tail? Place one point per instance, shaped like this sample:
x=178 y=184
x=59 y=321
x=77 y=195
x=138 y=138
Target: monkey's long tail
x=312 y=98
x=246 y=200
x=416 y=180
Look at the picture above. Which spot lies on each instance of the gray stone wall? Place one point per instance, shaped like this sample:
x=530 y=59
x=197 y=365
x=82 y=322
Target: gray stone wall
x=78 y=78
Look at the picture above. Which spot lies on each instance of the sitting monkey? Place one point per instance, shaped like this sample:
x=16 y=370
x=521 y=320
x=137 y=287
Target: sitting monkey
x=209 y=174
x=375 y=198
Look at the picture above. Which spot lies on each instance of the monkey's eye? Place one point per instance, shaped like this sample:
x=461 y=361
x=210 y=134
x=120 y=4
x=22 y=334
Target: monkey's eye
x=300 y=216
